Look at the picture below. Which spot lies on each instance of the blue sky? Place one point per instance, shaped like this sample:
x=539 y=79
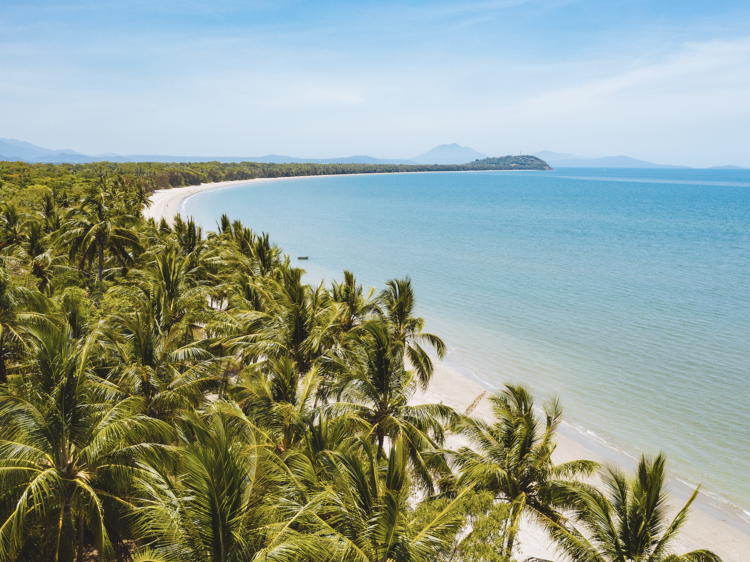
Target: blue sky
x=664 y=81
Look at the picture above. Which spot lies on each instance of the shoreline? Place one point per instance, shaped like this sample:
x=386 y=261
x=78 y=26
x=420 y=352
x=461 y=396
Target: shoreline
x=717 y=527
x=708 y=525
x=166 y=203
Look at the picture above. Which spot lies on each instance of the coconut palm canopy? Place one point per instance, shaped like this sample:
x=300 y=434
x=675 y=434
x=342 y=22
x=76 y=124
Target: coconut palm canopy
x=173 y=395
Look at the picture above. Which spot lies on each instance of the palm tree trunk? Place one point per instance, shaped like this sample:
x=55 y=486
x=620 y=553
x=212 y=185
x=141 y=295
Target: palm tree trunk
x=3 y=373
x=101 y=258
x=513 y=521
x=381 y=438
x=81 y=528
x=65 y=535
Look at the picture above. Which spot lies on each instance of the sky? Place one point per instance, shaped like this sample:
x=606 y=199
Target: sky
x=665 y=81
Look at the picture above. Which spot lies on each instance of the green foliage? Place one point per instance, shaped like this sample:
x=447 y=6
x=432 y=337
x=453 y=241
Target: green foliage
x=28 y=183
x=512 y=458
x=171 y=395
x=485 y=522
x=512 y=163
x=488 y=521
x=65 y=460
x=627 y=521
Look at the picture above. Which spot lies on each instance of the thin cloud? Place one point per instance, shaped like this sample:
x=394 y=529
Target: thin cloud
x=320 y=79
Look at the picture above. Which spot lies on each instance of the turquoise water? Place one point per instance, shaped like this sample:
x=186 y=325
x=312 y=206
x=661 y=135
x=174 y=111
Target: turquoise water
x=625 y=292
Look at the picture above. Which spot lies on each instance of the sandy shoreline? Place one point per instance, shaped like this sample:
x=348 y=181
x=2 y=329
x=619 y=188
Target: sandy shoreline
x=706 y=527
x=710 y=527
x=166 y=202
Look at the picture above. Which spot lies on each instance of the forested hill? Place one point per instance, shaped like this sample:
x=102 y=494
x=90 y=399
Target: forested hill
x=16 y=176
x=510 y=163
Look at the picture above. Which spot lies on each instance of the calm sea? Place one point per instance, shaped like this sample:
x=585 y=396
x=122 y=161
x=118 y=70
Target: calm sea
x=624 y=292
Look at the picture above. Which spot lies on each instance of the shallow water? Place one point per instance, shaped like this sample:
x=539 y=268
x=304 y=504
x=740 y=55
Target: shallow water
x=625 y=292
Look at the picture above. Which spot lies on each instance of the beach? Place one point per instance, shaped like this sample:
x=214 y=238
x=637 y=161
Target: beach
x=165 y=203
x=707 y=526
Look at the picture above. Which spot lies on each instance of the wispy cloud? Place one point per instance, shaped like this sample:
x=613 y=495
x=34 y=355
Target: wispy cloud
x=679 y=109
x=389 y=79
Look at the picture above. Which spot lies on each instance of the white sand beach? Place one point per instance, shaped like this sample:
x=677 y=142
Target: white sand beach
x=705 y=527
x=720 y=530
x=165 y=203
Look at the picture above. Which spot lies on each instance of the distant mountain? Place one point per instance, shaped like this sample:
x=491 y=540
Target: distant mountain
x=363 y=160
x=13 y=149
x=611 y=162
x=559 y=160
x=449 y=154
x=20 y=150
x=446 y=154
x=549 y=156
x=267 y=159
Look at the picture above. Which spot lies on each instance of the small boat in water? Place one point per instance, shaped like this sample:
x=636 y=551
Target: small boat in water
x=303 y=257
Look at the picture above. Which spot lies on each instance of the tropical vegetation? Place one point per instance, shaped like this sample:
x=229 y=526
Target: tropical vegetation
x=168 y=394
x=17 y=177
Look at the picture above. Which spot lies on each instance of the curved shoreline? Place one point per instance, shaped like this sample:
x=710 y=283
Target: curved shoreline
x=719 y=528
x=165 y=203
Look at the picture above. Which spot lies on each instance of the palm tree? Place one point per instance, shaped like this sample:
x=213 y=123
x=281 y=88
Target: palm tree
x=219 y=505
x=20 y=309
x=169 y=288
x=243 y=293
x=512 y=459
x=95 y=226
x=278 y=400
x=628 y=521
x=398 y=303
x=50 y=212
x=377 y=391
x=313 y=463
x=265 y=254
x=75 y=310
x=297 y=321
x=204 y=262
x=66 y=459
x=33 y=249
x=24 y=238
x=246 y=250
x=152 y=364
x=188 y=235
x=139 y=196
x=368 y=511
x=356 y=307
x=11 y=225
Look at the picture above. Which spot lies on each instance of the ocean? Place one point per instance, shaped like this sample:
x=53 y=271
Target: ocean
x=624 y=292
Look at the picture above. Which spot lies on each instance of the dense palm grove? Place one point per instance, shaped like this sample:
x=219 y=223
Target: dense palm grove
x=18 y=177
x=167 y=394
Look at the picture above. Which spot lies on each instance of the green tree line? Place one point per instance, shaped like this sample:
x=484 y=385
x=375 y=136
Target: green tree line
x=16 y=177
x=168 y=394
